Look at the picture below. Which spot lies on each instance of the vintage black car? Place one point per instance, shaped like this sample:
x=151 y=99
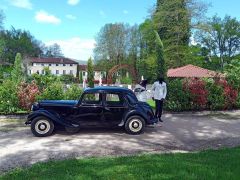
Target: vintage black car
x=100 y=106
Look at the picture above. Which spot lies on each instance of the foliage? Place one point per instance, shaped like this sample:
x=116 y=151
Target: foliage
x=73 y=92
x=8 y=97
x=210 y=164
x=221 y=37
x=17 y=74
x=197 y=89
x=80 y=77
x=232 y=71
x=172 y=21
x=67 y=78
x=215 y=96
x=19 y=41
x=177 y=98
x=238 y=100
x=27 y=94
x=53 y=51
x=161 y=67
x=90 y=73
x=126 y=80
x=43 y=81
x=53 y=91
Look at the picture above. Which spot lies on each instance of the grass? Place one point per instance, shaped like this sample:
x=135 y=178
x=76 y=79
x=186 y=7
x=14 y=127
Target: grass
x=151 y=103
x=211 y=164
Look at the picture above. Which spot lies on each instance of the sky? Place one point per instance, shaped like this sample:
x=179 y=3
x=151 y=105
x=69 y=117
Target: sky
x=74 y=24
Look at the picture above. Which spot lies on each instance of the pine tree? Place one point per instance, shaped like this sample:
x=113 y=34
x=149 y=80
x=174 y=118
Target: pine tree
x=161 y=66
x=17 y=74
x=90 y=75
x=172 y=19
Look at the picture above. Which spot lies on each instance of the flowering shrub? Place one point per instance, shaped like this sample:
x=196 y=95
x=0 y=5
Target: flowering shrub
x=27 y=94
x=198 y=91
x=230 y=94
x=53 y=92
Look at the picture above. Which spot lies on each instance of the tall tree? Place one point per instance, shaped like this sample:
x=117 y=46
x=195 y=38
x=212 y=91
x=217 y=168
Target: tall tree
x=161 y=66
x=221 y=37
x=54 y=51
x=172 y=21
x=17 y=74
x=111 y=43
x=90 y=73
x=18 y=41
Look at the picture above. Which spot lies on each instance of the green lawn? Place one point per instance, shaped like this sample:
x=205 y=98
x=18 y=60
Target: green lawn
x=151 y=103
x=221 y=164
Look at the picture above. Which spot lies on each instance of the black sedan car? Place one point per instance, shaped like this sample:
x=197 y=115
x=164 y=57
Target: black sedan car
x=101 y=106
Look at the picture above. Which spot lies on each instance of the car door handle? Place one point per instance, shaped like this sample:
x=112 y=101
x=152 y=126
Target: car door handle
x=107 y=108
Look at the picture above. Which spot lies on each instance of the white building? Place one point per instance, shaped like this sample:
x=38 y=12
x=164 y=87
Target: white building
x=57 y=66
x=97 y=73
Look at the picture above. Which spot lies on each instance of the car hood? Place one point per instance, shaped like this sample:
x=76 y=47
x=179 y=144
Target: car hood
x=58 y=102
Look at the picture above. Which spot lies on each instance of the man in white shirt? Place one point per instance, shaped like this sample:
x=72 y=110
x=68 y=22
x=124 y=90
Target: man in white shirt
x=159 y=92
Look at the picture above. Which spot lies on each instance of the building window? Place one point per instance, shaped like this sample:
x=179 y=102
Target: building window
x=43 y=72
x=71 y=72
x=49 y=64
x=56 y=64
x=64 y=64
x=71 y=65
x=64 y=71
x=42 y=64
x=30 y=72
x=57 y=71
x=83 y=73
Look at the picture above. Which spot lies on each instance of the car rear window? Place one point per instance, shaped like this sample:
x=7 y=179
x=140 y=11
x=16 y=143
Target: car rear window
x=91 y=98
x=114 y=99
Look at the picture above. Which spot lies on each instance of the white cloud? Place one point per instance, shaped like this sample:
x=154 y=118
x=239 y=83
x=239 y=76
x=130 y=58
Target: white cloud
x=102 y=13
x=45 y=17
x=70 y=16
x=76 y=48
x=26 y=4
x=73 y=2
x=125 y=12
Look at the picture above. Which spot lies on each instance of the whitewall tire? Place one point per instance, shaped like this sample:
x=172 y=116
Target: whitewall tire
x=135 y=125
x=42 y=126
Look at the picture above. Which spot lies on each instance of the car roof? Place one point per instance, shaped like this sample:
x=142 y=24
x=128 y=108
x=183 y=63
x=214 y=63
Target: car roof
x=108 y=89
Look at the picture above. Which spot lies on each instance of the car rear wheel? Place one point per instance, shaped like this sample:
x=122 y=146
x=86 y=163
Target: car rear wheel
x=42 y=126
x=135 y=125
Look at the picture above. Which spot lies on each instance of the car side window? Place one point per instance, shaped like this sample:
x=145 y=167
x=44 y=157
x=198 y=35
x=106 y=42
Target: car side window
x=114 y=99
x=91 y=98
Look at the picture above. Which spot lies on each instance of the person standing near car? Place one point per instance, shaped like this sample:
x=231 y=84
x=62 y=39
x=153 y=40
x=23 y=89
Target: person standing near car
x=159 y=92
x=140 y=91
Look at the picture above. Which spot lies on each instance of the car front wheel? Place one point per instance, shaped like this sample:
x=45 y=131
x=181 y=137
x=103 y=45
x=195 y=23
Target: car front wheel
x=42 y=127
x=135 y=125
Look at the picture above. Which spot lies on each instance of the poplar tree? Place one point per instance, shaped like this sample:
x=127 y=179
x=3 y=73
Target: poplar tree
x=90 y=75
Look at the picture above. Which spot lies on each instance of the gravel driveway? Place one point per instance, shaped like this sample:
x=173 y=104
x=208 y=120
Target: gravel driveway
x=179 y=132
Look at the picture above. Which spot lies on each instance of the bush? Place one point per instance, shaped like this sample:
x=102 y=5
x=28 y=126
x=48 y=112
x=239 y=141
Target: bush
x=52 y=92
x=215 y=96
x=198 y=91
x=238 y=100
x=73 y=93
x=27 y=94
x=8 y=97
x=67 y=78
x=177 y=98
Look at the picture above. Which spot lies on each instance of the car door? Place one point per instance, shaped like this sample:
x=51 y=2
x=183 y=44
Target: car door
x=90 y=109
x=114 y=108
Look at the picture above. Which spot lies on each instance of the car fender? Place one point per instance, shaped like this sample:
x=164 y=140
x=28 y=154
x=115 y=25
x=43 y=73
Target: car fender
x=51 y=115
x=134 y=113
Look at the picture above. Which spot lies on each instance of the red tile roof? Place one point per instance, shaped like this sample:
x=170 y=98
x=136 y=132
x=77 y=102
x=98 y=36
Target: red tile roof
x=53 y=60
x=190 y=71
